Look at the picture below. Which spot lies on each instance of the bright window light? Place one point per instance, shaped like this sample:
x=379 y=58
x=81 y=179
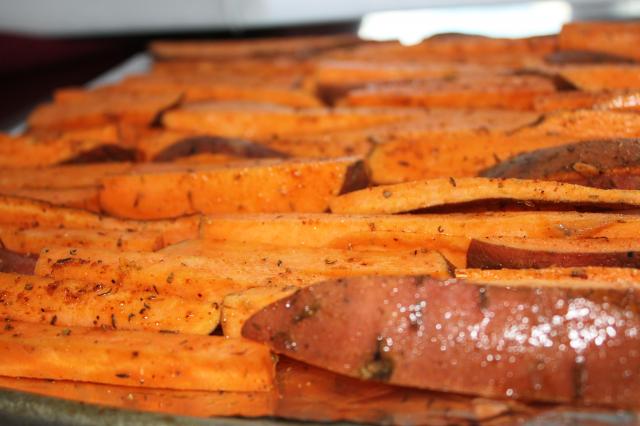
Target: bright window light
x=511 y=21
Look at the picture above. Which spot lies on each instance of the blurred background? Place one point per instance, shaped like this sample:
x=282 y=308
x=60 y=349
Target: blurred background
x=46 y=44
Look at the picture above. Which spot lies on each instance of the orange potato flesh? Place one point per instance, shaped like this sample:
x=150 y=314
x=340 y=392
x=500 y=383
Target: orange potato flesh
x=266 y=186
x=134 y=358
x=597 y=78
x=32 y=240
x=616 y=38
x=60 y=177
x=79 y=198
x=410 y=196
x=86 y=304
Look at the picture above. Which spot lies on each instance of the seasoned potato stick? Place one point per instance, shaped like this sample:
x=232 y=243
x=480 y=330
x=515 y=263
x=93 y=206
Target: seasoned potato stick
x=412 y=196
x=90 y=304
x=344 y=231
x=20 y=212
x=620 y=39
x=268 y=186
x=168 y=401
x=32 y=240
x=134 y=358
x=597 y=78
x=79 y=198
x=60 y=177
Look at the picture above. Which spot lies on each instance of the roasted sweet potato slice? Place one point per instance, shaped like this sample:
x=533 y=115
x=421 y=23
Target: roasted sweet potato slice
x=48 y=148
x=575 y=100
x=615 y=38
x=245 y=120
x=598 y=163
x=197 y=88
x=274 y=186
x=458 y=193
x=496 y=91
x=92 y=304
x=134 y=358
x=527 y=253
x=488 y=336
x=33 y=240
x=461 y=153
x=596 y=78
x=578 y=277
x=263 y=47
x=79 y=198
x=168 y=401
x=60 y=177
x=23 y=213
x=100 y=108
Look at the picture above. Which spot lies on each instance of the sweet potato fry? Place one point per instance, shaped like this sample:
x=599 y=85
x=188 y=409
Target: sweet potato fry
x=579 y=277
x=168 y=401
x=245 y=120
x=100 y=108
x=425 y=324
x=344 y=231
x=89 y=304
x=598 y=163
x=615 y=38
x=495 y=91
x=528 y=253
x=33 y=240
x=19 y=212
x=616 y=101
x=48 y=148
x=60 y=177
x=264 y=186
x=466 y=153
x=458 y=193
x=196 y=88
x=134 y=358
x=597 y=78
x=263 y=47
x=198 y=278
x=79 y=198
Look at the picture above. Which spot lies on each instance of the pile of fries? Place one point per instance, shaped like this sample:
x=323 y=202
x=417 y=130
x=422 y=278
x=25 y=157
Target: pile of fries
x=147 y=226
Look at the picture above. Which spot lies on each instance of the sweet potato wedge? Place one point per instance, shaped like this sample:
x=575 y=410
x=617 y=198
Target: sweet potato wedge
x=616 y=101
x=598 y=163
x=100 y=108
x=597 y=78
x=495 y=340
x=22 y=213
x=615 y=38
x=196 y=88
x=458 y=193
x=167 y=145
x=466 y=153
x=263 y=47
x=60 y=177
x=495 y=91
x=344 y=231
x=134 y=358
x=79 y=198
x=90 y=304
x=166 y=401
x=94 y=144
x=528 y=253
x=246 y=120
x=274 y=186
x=546 y=277
x=33 y=240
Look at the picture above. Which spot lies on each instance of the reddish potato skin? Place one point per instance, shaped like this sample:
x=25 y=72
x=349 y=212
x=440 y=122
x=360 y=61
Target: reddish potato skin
x=15 y=262
x=607 y=164
x=484 y=255
x=453 y=336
